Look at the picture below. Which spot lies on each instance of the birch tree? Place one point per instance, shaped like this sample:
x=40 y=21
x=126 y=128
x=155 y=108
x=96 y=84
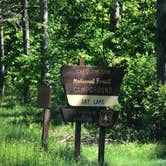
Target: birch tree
x=26 y=43
x=44 y=39
x=2 y=68
x=114 y=21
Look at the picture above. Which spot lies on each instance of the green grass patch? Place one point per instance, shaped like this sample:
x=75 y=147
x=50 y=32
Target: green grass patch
x=20 y=144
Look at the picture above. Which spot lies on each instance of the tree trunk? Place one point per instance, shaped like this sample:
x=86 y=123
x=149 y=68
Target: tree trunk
x=161 y=41
x=25 y=26
x=26 y=44
x=114 y=23
x=44 y=66
x=114 y=17
x=2 y=68
x=44 y=41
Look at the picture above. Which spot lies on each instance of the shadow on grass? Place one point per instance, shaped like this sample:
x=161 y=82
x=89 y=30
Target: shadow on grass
x=26 y=118
x=16 y=114
x=56 y=118
x=67 y=154
x=8 y=106
x=161 y=151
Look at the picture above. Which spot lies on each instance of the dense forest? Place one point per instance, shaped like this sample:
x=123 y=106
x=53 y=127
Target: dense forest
x=123 y=33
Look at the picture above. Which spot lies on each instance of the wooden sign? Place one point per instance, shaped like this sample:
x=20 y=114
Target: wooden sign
x=87 y=116
x=71 y=115
x=92 y=86
x=68 y=115
x=104 y=117
x=44 y=95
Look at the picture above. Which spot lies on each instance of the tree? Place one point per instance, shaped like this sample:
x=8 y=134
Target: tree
x=26 y=43
x=7 y=12
x=2 y=69
x=114 y=20
x=44 y=39
x=44 y=66
x=161 y=41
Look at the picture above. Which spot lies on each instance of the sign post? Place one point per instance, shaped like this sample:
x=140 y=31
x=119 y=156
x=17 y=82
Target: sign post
x=77 y=139
x=44 y=101
x=78 y=126
x=91 y=86
x=46 y=118
x=102 y=131
x=106 y=119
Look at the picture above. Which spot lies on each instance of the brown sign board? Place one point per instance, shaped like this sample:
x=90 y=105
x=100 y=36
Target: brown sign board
x=68 y=115
x=104 y=117
x=71 y=115
x=44 y=95
x=91 y=85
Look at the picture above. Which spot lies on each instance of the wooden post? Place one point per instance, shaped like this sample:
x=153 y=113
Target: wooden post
x=77 y=139
x=78 y=126
x=101 y=146
x=44 y=101
x=46 y=118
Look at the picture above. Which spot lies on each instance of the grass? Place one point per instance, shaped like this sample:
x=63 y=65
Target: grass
x=20 y=144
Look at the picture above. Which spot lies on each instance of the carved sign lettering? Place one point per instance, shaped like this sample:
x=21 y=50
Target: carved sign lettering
x=91 y=86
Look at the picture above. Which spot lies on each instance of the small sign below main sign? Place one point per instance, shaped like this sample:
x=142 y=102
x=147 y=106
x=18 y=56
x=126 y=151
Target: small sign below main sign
x=91 y=85
x=44 y=95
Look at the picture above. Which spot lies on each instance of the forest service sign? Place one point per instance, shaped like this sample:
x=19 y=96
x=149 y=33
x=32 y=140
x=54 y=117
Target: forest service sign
x=92 y=86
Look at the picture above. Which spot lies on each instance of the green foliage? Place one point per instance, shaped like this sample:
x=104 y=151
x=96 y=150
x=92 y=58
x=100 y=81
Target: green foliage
x=84 y=28
x=136 y=32
x=140 y=75
x=143 y=100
